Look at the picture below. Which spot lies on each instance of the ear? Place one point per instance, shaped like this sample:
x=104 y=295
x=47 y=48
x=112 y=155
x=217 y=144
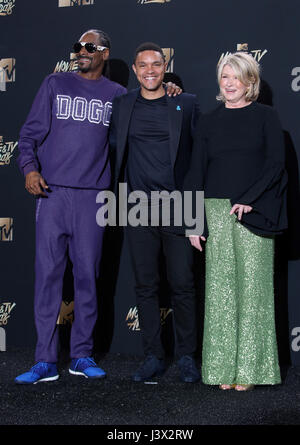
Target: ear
x=105 y=54
x=134 y=68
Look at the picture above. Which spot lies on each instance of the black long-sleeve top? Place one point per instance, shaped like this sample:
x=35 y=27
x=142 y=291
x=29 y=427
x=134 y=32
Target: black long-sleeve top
x=239 y=154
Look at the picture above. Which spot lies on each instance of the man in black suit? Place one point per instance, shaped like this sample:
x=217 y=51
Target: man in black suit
x=151 y=139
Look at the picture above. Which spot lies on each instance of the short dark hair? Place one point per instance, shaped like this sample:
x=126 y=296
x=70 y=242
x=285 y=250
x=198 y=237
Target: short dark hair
x=104 y=39
x=148 y=46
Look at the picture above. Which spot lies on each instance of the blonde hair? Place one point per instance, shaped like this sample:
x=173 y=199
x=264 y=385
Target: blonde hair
x=247 y=71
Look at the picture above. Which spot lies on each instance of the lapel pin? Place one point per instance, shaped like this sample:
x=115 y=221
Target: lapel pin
x=178 y=108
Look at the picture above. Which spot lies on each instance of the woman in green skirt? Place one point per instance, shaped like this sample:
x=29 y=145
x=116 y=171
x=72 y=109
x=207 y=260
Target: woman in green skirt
x=238 y=160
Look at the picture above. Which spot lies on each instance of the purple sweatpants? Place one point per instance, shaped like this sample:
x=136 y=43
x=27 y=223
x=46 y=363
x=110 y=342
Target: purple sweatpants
x=66 y=222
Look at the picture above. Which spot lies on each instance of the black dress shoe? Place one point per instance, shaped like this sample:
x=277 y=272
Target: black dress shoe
x=188 y=371
x=151 y=367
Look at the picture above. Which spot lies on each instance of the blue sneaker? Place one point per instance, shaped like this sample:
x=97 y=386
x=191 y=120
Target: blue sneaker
x=87 y=367
x=151 y=367
x=188 y=371
x=41 y=372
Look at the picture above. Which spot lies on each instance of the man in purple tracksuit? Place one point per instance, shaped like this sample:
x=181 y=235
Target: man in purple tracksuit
x=64 y=157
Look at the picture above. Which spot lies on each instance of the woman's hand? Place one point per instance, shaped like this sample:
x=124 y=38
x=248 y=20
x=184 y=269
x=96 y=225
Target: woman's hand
x=240 y=209
x=195 y=241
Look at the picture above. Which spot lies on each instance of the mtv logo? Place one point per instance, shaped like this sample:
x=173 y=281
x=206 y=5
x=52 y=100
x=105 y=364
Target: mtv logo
x=145 y=2
x=2 y=340
x=6 y=7
x=66 y=315
x=6 y=151
x=164 y=312
x=242 y=47
x=2 y=80
x=169 y=55
x=9 y=68
x=6 y=229
x=70 y=65
x=64 y=3
x=257 y=54
x=132 y=319
x=73 y=62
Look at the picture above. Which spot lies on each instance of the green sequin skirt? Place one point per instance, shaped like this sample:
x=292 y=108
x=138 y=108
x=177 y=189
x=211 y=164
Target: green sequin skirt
x=239 y=343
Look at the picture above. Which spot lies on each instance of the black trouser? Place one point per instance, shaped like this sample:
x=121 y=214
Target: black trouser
x=145 y=244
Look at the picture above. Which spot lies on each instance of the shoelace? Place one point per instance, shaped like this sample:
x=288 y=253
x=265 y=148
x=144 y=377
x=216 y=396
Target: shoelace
x=90 y=361
x=39 y=367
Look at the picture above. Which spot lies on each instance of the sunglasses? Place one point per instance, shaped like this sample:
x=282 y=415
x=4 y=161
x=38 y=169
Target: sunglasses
x=90 y=47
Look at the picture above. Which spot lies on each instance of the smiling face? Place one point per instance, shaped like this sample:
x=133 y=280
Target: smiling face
x=91 y=63
x=150 y=68
x=232 y=88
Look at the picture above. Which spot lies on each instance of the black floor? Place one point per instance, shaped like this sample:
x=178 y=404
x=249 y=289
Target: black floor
x=116 y=400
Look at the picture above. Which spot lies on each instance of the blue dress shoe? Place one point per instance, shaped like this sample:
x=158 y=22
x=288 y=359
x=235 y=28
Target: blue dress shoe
x=151 y=367
x=41 y=372
x=188 y=371
x=86 y=367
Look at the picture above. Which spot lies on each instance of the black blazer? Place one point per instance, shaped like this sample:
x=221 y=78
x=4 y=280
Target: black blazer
x=183 y=112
